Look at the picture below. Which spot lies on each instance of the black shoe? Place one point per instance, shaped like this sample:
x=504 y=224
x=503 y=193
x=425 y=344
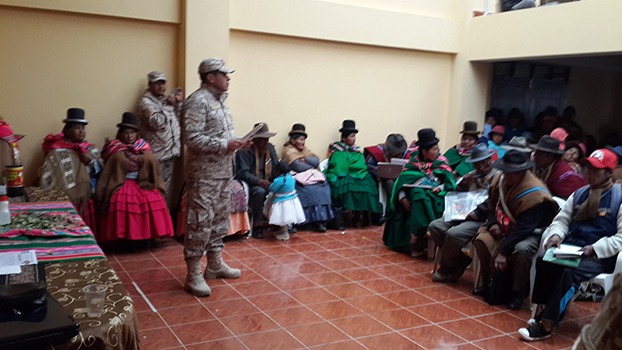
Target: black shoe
x=534 y=333
x=320 y=227
x=479 y=291
x=377 y=219
x=257 y=232
x=291 y=229
x=515 y=304
x=464 y=262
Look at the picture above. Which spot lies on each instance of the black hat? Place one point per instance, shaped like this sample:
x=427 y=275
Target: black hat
x=426 y=138
x=480 y=152
x=298 y=129
x=549 y=145
x=469 y=128
x=395 y=144
x=129 y=120
x=513 y=161
x=75 y=115
x=348 y=126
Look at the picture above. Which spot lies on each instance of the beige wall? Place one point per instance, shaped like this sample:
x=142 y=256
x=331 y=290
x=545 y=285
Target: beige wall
x=285 y=80
x=53 y=60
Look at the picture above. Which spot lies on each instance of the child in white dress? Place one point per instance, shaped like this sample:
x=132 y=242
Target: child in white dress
x=285 y=208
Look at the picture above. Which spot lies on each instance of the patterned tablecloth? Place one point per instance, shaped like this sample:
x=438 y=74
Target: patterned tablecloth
x=116 y=328
x=72 y=261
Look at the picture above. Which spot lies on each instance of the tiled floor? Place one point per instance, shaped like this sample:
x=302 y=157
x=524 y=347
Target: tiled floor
x=321 y=291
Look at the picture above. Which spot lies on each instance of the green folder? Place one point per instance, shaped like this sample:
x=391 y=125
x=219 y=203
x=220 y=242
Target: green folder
x=548 y=256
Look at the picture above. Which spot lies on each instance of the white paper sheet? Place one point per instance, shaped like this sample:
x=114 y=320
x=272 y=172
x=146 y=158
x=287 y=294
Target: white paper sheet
x=10 y=262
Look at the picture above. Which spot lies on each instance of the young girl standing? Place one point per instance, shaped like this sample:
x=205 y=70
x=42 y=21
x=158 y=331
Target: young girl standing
x=286 y=208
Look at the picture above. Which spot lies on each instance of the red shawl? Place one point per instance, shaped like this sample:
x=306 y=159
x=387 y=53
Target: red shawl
x=115 y=146
x=57 y=142
x=563 y=181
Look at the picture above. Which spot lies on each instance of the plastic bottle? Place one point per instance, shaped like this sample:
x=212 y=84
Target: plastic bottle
x=14 y=173
x=5 y=214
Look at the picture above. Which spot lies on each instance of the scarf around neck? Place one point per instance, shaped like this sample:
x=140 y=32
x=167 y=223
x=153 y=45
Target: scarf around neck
x=117 y=146
x=340 y=146
x=267 y=159
x=58 y=142
x=589 y=208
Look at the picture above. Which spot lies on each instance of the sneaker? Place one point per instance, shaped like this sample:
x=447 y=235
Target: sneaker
x=534 y=333
x=282 y=236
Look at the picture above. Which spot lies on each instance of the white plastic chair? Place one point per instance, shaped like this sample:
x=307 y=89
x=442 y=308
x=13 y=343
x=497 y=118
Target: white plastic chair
x=324 y=164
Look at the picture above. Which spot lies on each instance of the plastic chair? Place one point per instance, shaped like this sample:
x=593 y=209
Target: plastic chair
x=324 y=164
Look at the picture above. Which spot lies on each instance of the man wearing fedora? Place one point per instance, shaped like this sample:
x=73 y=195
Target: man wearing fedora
x=257 y=166
x=519 y=206
x=590 y=219
x=394 y=147
x=452 y=236
x=457 y=155
x=159 y=123
x=558 y=176
x=210 y=143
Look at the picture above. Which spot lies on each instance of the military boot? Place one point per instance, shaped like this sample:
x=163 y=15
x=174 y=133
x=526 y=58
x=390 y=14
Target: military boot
x=195 y=283
x=216 y=268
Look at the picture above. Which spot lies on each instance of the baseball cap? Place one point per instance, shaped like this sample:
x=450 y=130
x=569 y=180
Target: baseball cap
x=156 y=76
x=601 y=158
x=214 y=64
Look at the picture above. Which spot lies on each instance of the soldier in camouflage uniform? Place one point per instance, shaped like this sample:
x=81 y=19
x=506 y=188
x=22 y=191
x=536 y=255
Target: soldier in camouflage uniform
x=210 y=143
x=159 y=124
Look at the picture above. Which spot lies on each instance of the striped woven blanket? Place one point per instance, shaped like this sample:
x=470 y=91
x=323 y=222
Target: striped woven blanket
x=71 y=240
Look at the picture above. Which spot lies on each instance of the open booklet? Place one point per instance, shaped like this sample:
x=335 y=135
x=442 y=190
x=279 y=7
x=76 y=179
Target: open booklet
x=425 y=182
x=252 y=132
x=566 y=254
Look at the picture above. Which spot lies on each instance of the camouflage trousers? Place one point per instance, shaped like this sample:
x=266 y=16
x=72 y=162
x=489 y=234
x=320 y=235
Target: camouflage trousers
x=208 y=215
x=167 y=167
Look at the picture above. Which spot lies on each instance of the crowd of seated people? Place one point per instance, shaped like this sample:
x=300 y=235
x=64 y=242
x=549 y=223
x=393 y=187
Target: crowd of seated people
x=541 y=192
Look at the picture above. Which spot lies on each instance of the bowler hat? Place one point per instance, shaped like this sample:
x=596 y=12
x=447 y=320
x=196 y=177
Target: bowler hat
x=469 y=128
x=480 y=152
x=513 y=161
x=517 y=143
x=129 y=120
x=549 y=145
x=348 y=126
x=395 y=144
x=263 y=133
x=75 y=115
x=298 y=129
x=426 y=138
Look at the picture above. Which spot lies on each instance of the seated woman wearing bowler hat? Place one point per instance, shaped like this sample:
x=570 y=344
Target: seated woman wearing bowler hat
x=418 y=196
x=314 y=195
x=458 y=154
x=130 y=190
x=351 y=185
x=72 y=165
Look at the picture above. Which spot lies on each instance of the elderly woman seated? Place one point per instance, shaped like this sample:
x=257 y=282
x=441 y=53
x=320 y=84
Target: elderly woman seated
x=130 y=190
x=313 y=190
x=351 y=185
x=458 y=154
x=418 y=196
x=72 y=165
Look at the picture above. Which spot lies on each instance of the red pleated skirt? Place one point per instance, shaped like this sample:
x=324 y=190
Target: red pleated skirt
x=136 y=214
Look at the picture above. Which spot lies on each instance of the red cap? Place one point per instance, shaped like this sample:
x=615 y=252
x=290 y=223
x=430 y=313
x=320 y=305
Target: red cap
x=499 y=129
x=601 y=158
x=4 y=199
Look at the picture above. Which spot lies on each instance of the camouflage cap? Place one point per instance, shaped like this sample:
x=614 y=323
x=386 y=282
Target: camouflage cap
x=214 y=64
x=156 y=76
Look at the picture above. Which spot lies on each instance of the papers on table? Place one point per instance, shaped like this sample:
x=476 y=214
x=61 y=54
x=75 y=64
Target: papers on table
x=11 y=262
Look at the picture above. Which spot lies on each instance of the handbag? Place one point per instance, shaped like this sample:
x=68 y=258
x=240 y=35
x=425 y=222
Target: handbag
x=309 y=177
x=499 y=289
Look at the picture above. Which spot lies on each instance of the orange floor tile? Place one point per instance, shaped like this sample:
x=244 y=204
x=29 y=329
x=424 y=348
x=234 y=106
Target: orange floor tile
x=321 y=291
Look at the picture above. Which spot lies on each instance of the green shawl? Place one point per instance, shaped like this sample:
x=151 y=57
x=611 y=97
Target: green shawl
x=426 y=206
x=345 y=161
x=457 y=161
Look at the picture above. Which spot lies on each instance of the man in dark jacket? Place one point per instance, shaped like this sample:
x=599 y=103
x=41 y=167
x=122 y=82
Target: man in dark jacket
x=518 y=204
x=256 y=167
x=558 y=176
